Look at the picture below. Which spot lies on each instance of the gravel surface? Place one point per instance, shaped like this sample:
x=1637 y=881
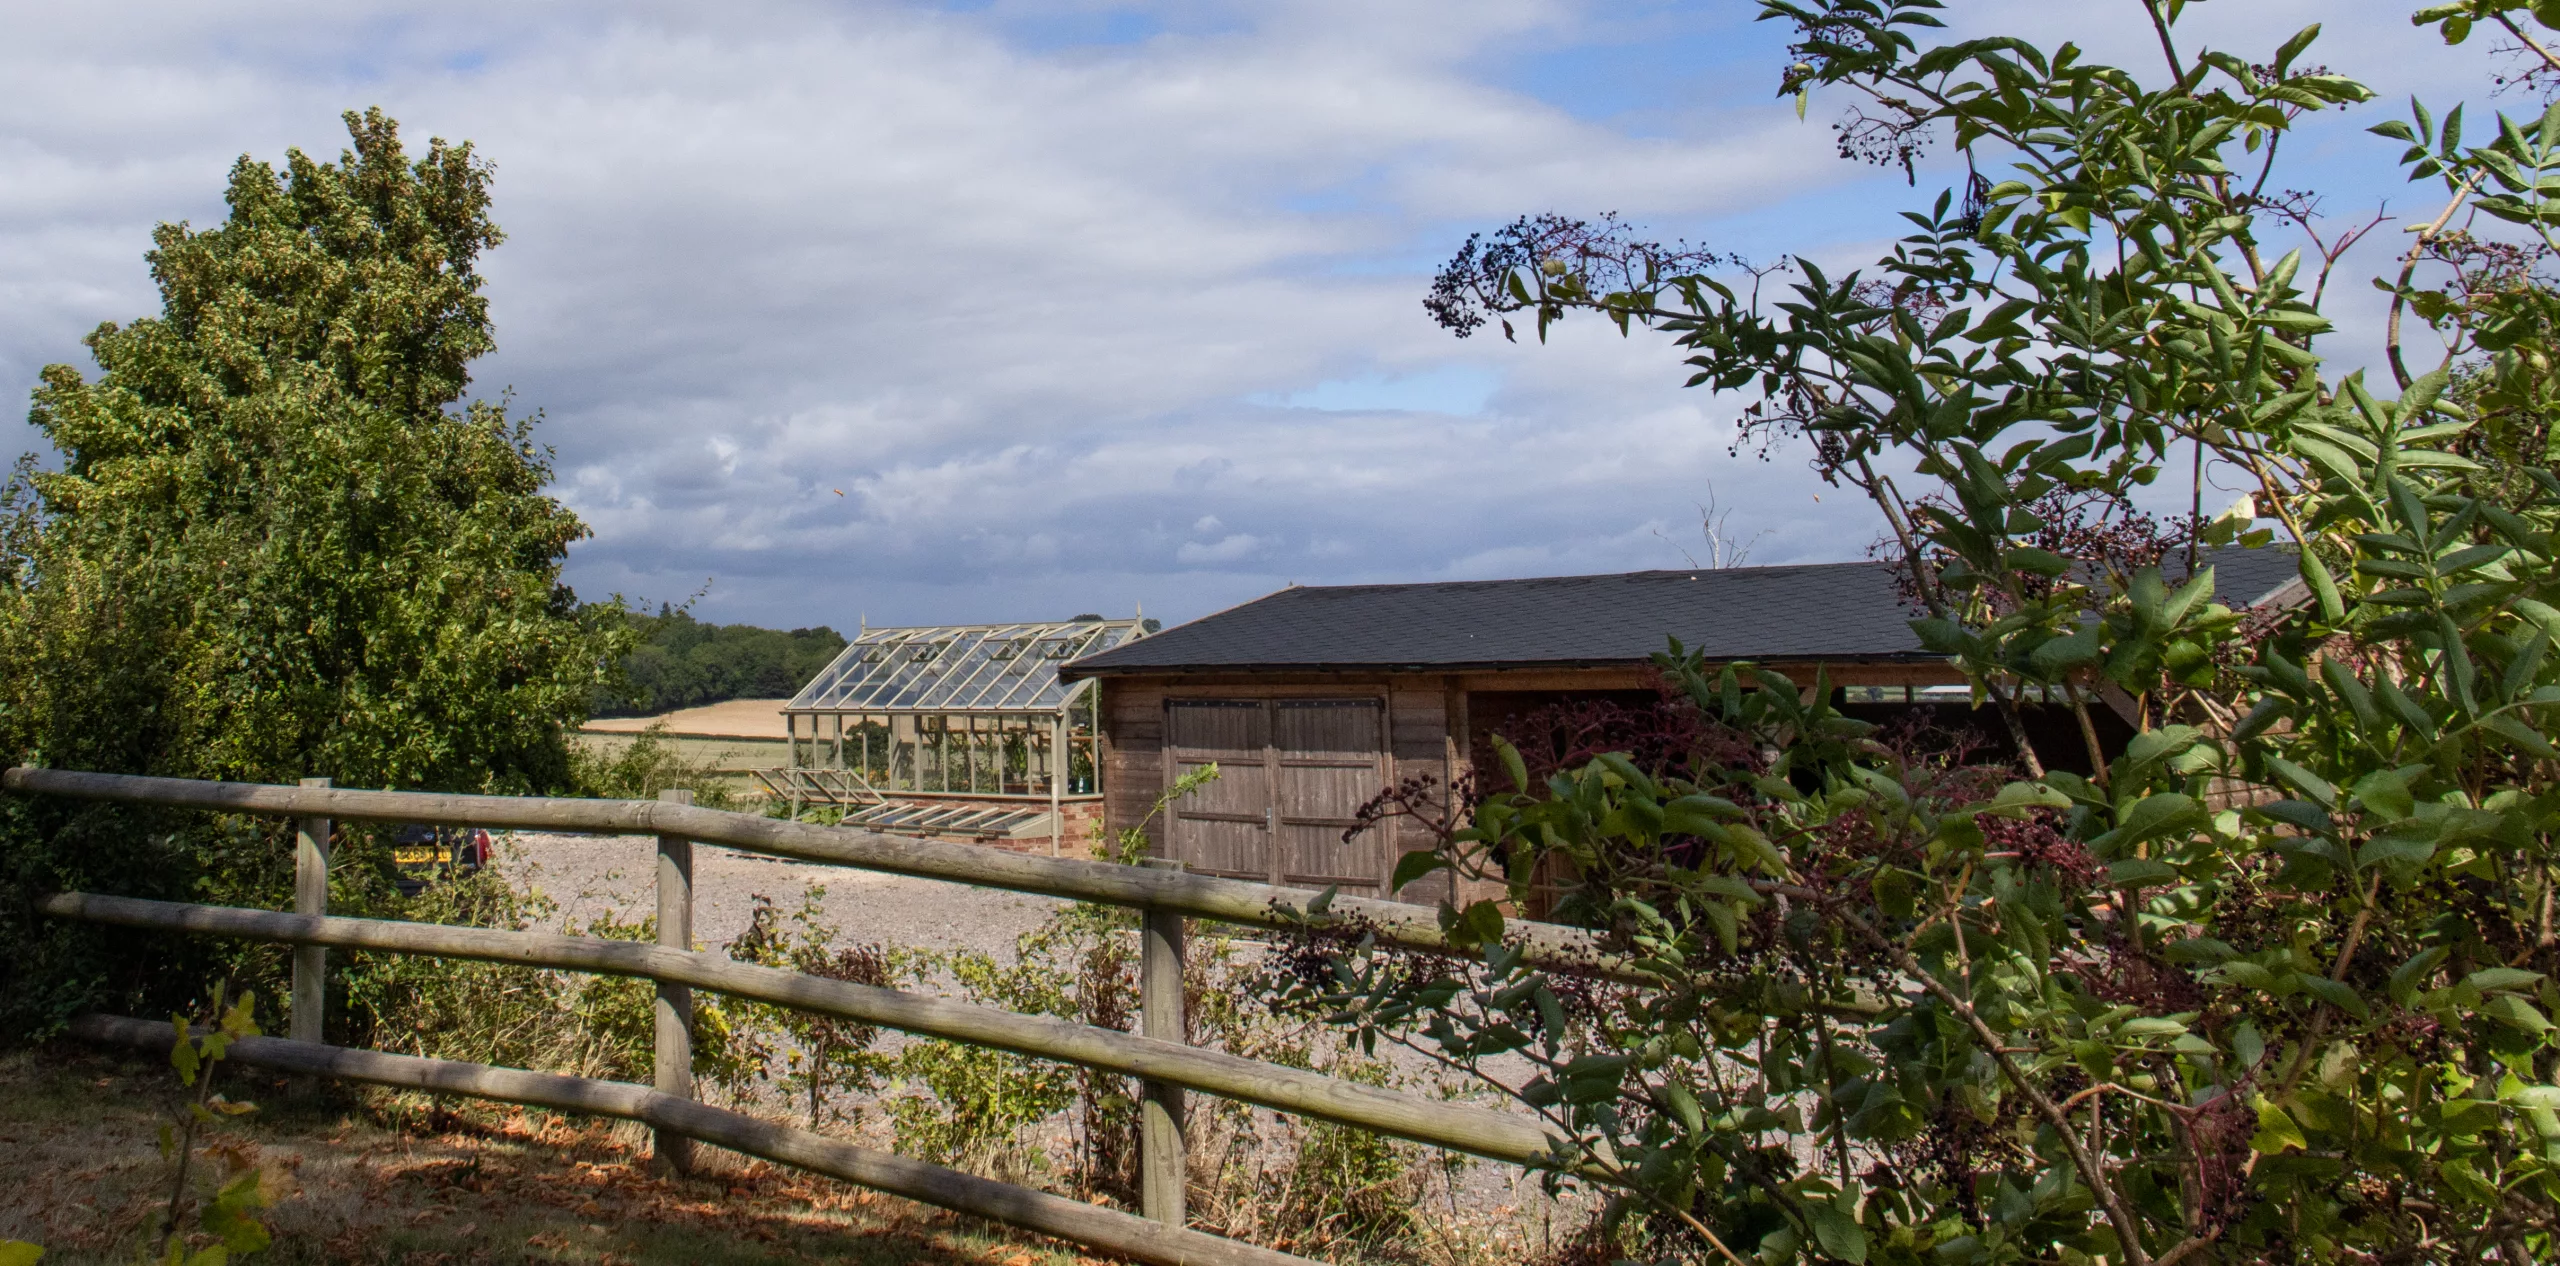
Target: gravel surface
x=589 y=874
x=592 y=874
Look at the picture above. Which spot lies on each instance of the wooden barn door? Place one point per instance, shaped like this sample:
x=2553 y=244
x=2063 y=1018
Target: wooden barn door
x=1224 y=827
x=1293 y=774
x=1328 y=759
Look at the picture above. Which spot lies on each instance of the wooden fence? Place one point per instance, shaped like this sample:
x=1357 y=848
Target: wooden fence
x=1158 y=1055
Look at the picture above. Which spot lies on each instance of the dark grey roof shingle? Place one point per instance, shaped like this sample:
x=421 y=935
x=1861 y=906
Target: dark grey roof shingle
x=1834 y=611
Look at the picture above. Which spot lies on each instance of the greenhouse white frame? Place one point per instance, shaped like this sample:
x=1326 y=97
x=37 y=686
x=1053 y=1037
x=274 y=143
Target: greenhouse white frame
x=950 y=729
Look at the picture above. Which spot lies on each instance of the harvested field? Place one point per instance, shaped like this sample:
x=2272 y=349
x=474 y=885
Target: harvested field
x=736 y=718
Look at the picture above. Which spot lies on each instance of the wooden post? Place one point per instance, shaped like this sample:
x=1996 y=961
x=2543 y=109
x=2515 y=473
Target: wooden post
x=1161 y=1165
x=675 y=1002
x=310 y=896
x=1058 y=767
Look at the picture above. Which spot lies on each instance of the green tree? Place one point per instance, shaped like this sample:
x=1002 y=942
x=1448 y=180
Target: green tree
x=278 y=543
x=2274 y=982
x=681 y=662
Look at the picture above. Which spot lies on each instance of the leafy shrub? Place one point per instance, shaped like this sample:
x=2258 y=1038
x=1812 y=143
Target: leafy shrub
x=275 y=544
x=523 y=1017
x=229 y=1217
x=2269 y=982
x=979 y=1108
x=822 y=1055
x=638 y=770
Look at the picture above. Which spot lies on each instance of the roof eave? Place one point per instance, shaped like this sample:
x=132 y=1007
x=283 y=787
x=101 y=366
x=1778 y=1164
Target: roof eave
x=1077 y=672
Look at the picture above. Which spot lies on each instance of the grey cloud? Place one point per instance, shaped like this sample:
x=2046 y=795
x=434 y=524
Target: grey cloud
x=1014 y=303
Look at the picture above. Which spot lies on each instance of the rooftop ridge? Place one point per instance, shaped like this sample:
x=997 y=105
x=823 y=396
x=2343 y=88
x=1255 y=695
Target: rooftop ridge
x=1662 y=572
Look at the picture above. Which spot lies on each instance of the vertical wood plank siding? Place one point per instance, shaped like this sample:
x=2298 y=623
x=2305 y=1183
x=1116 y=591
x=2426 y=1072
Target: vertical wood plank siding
x=1416 y=723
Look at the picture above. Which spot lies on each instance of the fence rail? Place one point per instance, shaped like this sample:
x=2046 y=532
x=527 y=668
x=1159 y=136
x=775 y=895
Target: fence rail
x=1107 y=1229
x=1168 y=892
x=1477 y=1131
x=1164 y=1063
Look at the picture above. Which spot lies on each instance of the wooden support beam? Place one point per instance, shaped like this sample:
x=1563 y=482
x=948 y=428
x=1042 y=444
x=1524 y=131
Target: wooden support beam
x=673 y=1049
x=1162 y=1167
x=308 y=1020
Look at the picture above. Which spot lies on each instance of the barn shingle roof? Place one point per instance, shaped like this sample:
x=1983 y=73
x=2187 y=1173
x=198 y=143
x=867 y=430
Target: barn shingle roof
x=1825 y=611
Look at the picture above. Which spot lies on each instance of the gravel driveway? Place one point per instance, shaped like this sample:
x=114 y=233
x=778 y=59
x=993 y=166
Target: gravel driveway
x=591 y=874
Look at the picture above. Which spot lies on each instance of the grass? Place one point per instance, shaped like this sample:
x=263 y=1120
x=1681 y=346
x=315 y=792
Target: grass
x=373 y=1177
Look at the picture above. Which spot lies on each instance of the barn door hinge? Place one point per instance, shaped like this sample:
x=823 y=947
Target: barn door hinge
x=1270 y=818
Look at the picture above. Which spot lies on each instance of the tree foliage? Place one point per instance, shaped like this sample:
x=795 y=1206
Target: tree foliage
x=277 y=543
x=2275 y=982
x=677 y=661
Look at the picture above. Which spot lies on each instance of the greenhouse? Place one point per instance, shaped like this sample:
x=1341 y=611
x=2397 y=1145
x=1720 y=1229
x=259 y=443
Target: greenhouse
x=954 y=730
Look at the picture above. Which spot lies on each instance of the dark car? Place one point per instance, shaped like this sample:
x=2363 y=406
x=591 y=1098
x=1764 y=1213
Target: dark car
x=425 y=855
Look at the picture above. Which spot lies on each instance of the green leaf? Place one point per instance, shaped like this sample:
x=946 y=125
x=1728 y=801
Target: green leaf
x=2248 y=975
x=2492 y=979
x=2420 y=724
x=1698 y=815
x=1838 y=1232
x=1896 y=892
x=1942 y=637
x=2402 y=850
x=2038 y=562
x=2199 y=949
x=2531 y=1096
x=2298 y=813
x=2336 y=993
x=19 y=1253
x=2515 y=1012
x=2316 y=574
x=2508 y=726
x=2304 y=781
x=1512 y=764
x=2385 y=792
x=2343 y=683
x=2276 y=1131
x=2139 y=872
x=1414 y=865
x=2406 y=978
x=184 y=1056
x=2021 y=795
x=1683 y=1106
x=2062 y=654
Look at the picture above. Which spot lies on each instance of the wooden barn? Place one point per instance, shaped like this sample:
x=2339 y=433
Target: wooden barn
x=1313 y=699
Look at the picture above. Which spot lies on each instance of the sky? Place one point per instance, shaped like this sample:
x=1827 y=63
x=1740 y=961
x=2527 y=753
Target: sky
x=917 y=313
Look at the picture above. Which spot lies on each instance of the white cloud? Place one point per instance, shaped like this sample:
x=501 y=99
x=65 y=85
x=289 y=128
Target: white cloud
x=1228 y=549
x=1051 y=316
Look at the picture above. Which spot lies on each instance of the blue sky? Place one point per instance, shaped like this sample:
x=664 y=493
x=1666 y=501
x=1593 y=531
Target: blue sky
x=937 y=312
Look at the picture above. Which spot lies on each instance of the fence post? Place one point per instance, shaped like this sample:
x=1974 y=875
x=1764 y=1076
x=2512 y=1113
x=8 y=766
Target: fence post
x=310 y=896
x=675 y=1002
x=1161 y=1165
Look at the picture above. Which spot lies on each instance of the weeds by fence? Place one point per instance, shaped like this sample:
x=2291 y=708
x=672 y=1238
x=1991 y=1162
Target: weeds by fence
x=1048 y=1016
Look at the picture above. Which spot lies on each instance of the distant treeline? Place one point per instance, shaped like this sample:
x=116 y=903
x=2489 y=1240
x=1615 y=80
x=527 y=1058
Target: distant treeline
x=681 y=662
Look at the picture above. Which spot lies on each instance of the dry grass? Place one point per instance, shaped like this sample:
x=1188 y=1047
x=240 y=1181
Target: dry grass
x=370 y=1177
